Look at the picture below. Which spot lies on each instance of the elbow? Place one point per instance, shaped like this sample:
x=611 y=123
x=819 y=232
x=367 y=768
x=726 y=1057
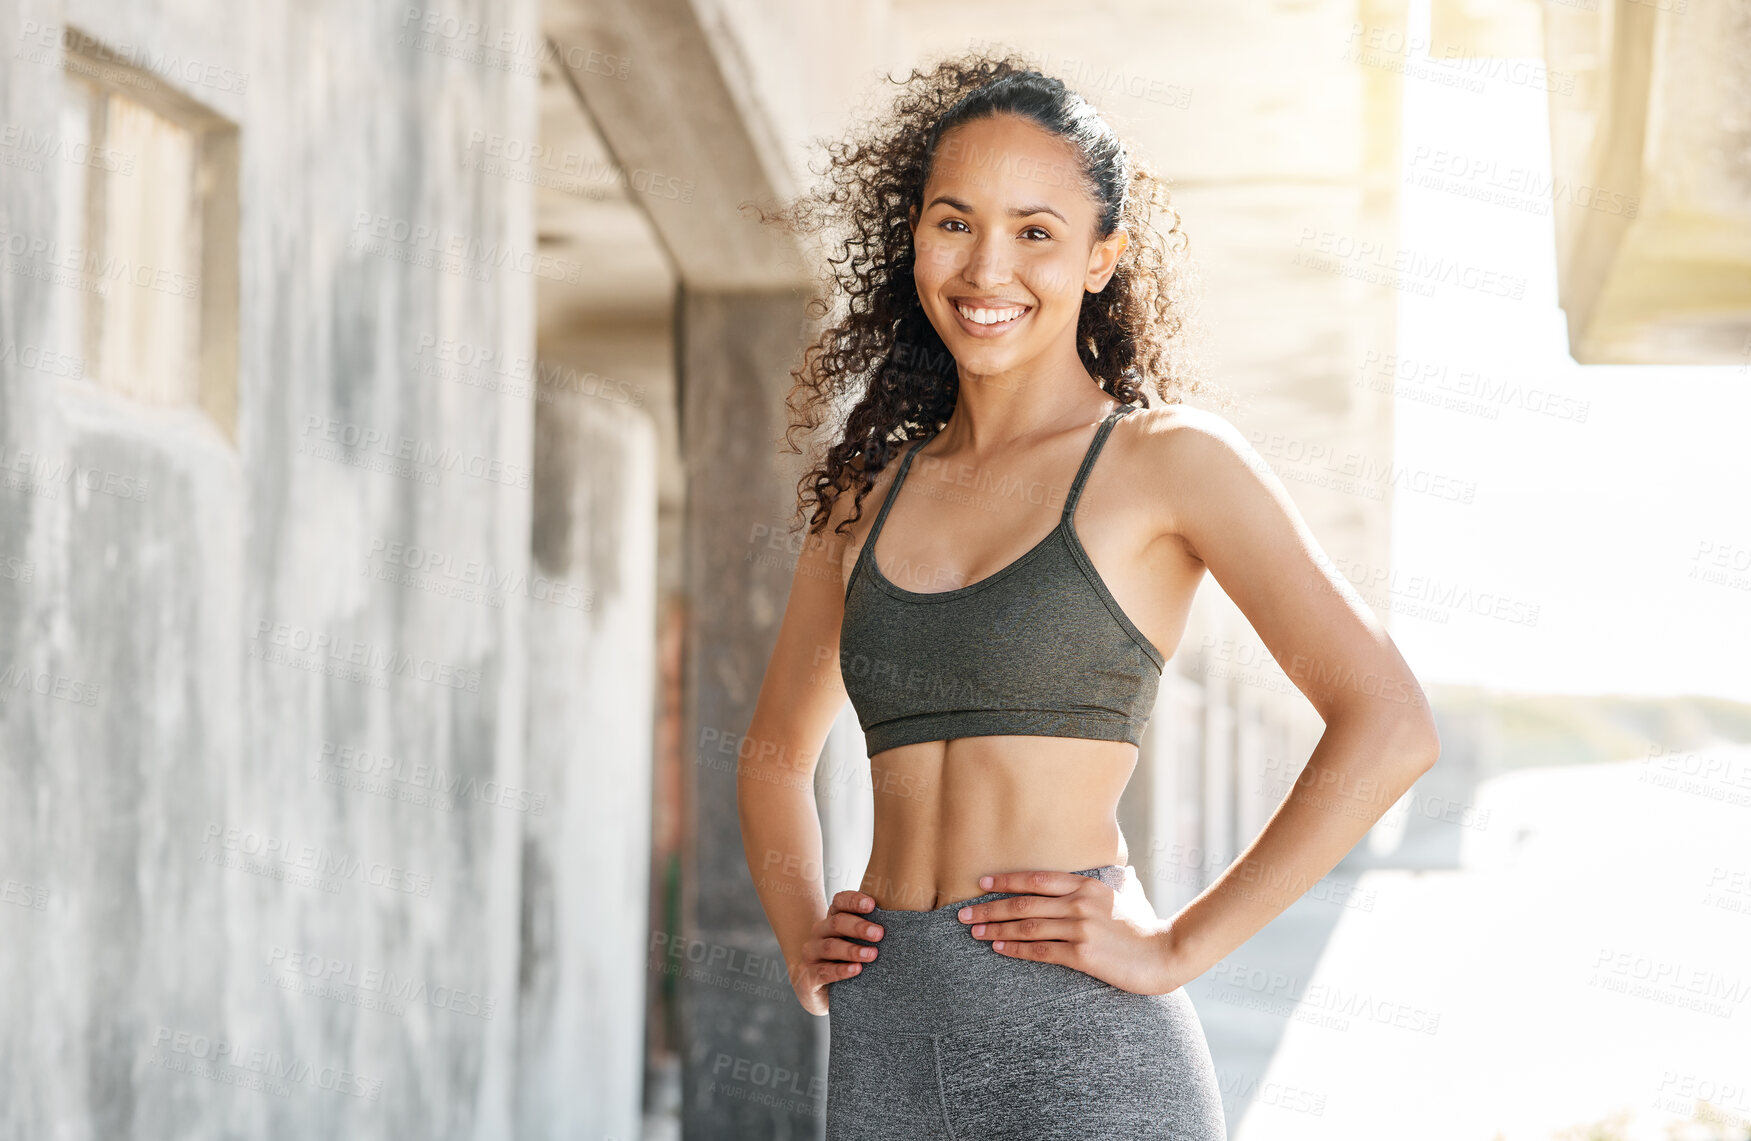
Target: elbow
x=1403 y=737
x=758 y=778
x=1408 y=728
x=1419 y=741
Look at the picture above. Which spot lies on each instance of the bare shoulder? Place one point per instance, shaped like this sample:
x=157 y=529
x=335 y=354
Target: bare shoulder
x=880 y=482
x=849 y=521
x=1176 y=443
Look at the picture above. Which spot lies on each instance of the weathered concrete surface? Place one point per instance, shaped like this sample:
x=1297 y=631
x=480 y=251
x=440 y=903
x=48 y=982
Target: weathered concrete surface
x=736 y=351
x=1652 y=181
x=591 y=685
x=238 y=642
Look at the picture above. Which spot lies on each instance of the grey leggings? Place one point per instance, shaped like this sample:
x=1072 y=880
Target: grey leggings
x=943 y=1038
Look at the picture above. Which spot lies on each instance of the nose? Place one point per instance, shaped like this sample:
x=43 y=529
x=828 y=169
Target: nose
x=987 y=262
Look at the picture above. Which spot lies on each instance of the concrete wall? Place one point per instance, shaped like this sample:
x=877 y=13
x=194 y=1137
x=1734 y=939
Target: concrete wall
x=163 y=823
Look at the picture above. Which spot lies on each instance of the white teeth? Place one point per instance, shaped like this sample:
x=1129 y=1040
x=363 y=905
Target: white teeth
x=990 y=316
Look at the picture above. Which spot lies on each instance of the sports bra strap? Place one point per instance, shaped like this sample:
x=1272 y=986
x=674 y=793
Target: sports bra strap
x=1100 y=439
x=888 y=500
x=1094 y=448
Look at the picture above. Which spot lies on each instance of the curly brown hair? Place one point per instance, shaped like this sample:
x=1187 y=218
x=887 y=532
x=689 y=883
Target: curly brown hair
x=1131 y=336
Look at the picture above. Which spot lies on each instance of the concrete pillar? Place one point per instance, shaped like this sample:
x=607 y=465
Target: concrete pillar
x=736 y=350
x=276 y=825
x=1218 y=761
x=1252 y=807
x=1648 y=170
x=586 y=851
x=1168 y=846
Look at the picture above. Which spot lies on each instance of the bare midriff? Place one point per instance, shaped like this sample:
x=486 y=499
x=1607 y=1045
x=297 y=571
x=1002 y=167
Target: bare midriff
x=948 y=812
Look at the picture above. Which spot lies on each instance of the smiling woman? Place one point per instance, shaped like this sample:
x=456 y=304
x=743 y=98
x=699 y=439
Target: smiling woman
x=1002 y=973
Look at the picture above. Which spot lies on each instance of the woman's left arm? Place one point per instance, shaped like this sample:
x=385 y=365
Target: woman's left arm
x=1232 y=511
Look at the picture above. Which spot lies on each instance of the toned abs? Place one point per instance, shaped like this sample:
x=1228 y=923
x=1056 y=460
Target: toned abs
x=948 y=812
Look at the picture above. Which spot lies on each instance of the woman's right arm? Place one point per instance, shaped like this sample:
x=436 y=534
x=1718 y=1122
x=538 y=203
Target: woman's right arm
x=799 y=699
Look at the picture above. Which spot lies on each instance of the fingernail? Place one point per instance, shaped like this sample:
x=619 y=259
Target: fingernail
x=986 y=881
x=964 y=914
x=867 y=953
x=997 y=946
x=978 y=929
x=865 y=904
x=872 y=933
x=855 y=967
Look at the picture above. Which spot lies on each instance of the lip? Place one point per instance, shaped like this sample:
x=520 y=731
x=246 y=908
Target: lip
x=974 y=329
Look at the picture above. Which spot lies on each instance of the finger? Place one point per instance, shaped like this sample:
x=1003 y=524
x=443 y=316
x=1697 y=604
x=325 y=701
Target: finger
x=852 y=926
x=838 y=950
x=1061 y=929
x=1016 y=907
x=1035 y=883
x=852 y=901
x=829 y=972
x=1044 y=951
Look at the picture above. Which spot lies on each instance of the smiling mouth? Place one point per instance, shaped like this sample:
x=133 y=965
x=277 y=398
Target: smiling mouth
x=992 y=318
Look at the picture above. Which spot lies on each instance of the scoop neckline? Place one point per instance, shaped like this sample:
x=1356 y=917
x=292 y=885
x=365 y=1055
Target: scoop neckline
x=901 y=592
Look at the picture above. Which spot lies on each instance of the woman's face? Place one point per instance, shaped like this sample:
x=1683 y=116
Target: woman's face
x=1005 y=245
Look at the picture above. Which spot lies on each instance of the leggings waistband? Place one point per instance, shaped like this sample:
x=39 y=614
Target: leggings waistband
x=931 y=975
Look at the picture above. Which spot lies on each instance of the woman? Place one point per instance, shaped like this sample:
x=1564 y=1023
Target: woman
x=1001 y=625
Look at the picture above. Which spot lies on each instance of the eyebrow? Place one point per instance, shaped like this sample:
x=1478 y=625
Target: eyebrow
x=1014 y=211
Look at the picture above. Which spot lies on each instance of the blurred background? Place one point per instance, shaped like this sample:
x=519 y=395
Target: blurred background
x=395 y=526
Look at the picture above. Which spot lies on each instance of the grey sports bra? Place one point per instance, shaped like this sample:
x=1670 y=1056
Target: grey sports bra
x=1039 y=648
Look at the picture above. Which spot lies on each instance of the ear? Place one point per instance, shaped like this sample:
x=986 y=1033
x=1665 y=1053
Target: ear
x=1103 y=260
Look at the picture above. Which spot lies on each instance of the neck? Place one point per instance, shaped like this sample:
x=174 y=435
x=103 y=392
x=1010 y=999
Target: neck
x=997 y=411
